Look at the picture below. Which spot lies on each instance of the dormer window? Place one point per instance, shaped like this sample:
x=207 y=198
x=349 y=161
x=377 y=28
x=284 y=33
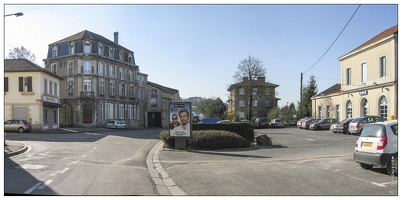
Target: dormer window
x=72 y=48
x=130 y=59
x=55 y=51
x=100 y=49
x=110 y=52
x=121 y=55
x=87 y=47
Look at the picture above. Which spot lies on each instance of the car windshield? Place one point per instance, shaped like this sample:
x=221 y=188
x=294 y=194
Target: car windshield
x=356 y=120
x=373 y=130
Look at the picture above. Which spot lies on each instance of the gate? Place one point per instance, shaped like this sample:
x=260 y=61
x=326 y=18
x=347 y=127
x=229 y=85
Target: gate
x=66 y=115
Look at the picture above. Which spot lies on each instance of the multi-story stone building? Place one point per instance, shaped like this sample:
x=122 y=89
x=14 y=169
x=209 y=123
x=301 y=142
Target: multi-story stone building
x=263 y=98
x=369 y=81
x=100 y=81
x=158 y=98
x=31 y=93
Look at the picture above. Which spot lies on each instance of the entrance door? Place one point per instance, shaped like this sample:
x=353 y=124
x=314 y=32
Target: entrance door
x=66 y=115
x=87 y=113
x=154 y=119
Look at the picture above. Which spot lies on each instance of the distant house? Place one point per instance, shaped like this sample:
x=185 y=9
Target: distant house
x=263 y=98
x=369 y=81
x=31 y=93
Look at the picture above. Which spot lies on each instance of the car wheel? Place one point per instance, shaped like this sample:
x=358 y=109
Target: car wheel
x=20 y=130
x=392 y=165
x=115 y=127
x=365 y=166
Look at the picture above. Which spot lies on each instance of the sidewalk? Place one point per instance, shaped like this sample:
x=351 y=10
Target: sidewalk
x=12 y=148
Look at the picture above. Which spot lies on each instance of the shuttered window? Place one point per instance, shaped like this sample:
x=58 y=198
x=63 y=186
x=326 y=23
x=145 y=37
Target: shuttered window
x=5 y=84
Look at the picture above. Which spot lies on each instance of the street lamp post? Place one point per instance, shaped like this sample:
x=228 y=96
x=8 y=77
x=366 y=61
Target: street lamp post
x=15 y=14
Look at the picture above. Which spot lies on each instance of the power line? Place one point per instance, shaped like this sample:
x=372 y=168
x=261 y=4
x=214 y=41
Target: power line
x=335 y=39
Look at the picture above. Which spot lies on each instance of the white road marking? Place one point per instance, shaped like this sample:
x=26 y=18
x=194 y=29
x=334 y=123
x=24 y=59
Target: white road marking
x=54 y=174
x=384 y=184
x=33 y=188
x=64 y=170
x=46 y=184
x=74 y=131
x=30 y=166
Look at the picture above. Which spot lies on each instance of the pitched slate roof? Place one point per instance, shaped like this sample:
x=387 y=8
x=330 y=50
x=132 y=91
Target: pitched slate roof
x=24 y=65
x=391 y=31
x=88 y=35
x=331 y=90
x=161 y=87
x=253 y=83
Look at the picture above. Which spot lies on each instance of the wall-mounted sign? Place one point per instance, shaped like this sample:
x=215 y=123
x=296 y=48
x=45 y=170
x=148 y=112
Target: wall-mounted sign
x=180 y=119
x=50 y=99
x=364 y=92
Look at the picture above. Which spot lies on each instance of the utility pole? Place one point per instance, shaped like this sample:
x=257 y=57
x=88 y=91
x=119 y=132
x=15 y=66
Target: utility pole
x=251 y=96
x=301 y=95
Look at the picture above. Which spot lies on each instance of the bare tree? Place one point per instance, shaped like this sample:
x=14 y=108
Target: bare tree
x=20 y=53
x=252 y=68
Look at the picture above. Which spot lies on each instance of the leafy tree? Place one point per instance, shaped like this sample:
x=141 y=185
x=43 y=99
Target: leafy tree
x=252 y=68
x=19 y=53
x=274 y=113
x=287 y=112
x=230 y=115
x=308 y=91
x=212 y=108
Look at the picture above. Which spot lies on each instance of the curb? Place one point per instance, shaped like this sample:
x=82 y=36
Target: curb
x=13 y=153
x=164 y=184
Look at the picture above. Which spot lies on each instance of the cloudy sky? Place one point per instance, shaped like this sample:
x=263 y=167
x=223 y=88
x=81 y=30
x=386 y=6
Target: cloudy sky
x=196 y=48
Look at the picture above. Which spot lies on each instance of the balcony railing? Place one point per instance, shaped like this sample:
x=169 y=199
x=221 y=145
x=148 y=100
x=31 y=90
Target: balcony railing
x=88 y=95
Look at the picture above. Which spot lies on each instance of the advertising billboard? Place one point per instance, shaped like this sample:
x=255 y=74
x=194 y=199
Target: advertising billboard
x=180 y=119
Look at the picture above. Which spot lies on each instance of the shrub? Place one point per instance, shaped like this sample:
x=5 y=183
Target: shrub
x=208 y=139
x=244 y=130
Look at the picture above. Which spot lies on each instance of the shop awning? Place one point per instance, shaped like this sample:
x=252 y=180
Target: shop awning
x=51 y=104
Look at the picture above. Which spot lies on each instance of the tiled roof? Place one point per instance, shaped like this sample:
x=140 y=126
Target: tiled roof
x=24 y=65
x=384 y=34
x=83 y=35
x=332 y=90
x=253 y=83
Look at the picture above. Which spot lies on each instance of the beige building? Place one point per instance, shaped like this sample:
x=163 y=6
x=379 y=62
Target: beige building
x=369 y=81
x=263 y=98
x=31 y=93
x=158 y=98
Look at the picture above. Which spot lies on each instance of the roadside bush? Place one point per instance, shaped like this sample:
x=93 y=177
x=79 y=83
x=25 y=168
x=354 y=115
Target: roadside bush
x=208 y=139
x=244 y=130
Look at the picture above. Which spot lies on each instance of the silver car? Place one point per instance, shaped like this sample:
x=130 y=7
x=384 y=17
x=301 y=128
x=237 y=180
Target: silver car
x=357 y=124
x=17 y=125
x=115 y=124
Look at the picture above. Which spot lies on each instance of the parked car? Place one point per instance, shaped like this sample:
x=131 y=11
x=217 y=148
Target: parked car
x=306 y=123
x=343 y=126
x=17 y=125
x=245 y=121
x=378 y=146
x=261 y=122
x=357 y=124
x=115 y=124
x=276 y=123
x=299 y=123
x=323 y=124
x=332 y=128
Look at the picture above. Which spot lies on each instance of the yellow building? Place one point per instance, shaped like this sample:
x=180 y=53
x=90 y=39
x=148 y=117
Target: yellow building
x=31 y=93
x=369 y=81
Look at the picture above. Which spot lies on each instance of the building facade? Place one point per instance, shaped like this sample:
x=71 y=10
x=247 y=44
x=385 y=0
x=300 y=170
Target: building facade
x=31 y=93
x=158 y=98
x=263 y=98
x=100 y=81
x=369 y=81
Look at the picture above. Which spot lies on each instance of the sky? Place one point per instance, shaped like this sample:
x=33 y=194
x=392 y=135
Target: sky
x=196 y=48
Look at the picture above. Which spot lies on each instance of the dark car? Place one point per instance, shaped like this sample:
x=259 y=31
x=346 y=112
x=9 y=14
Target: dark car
x=306 y=123
x=323 y=124
x=261 y=122
x=17 y=125
x=276 y=123
x=343 y=126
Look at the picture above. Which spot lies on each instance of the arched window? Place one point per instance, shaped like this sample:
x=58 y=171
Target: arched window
x=383 y=107
x=349 y=109
x=100 y=49
x=364 y=107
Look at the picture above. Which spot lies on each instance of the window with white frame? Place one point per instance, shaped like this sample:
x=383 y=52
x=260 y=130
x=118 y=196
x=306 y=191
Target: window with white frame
x=337 y=112
x=101 y=69
x=111 y=111
x=121 y=73
x=112 y=88
x=86 y=85
x=122 y=89
x=121 y=111
x=87 y=47
x=349 y=109
x=383 y=107
x=130 y=112
x=100 y=49
x=364 y=72
x=130 y=59
x=87 y=67
x=101 y=111
x=53 y=68
x=121 y=55
x=70 y=67
x=348 y=76
x=254 y=103
x=72 y=48
x=111 y=71
x=241 y=115
x=55 y=51
x=101 y=86
x=154 y=101
x=383 y=66
x=241 y=91
x=130 y=75
x=241 y=103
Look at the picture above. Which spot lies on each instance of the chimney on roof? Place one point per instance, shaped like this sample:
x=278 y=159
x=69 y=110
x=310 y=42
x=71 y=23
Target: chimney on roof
x=262 y=79
x=116 y=37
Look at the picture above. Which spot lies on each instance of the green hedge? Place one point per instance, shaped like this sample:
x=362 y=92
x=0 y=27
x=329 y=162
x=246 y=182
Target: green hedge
x=207 y=139
x=245 y=130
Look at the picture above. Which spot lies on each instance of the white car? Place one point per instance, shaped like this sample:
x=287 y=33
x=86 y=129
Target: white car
x=115 y=124
x=378 y=146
